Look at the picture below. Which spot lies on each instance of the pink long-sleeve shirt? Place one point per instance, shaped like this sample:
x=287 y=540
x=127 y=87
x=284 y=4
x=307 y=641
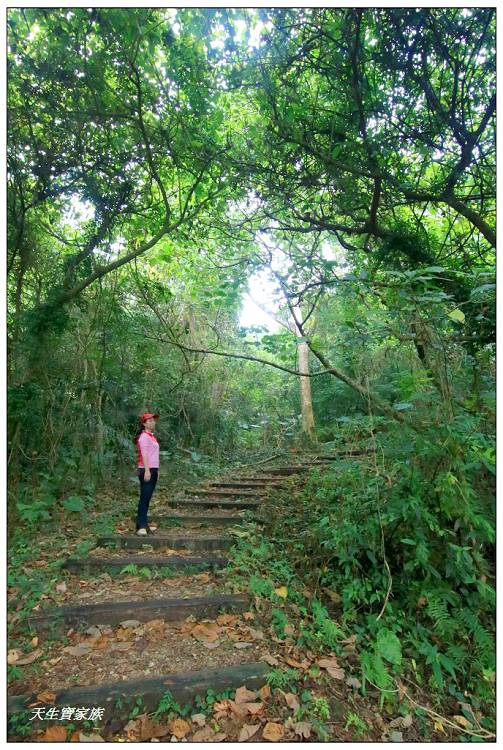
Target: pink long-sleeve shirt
x=148 y=445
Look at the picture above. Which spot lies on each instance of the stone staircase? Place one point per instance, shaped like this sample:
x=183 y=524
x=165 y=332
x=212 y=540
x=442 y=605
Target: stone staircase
x=192 y=538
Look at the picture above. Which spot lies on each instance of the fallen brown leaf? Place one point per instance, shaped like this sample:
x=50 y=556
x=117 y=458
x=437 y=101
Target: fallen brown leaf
x=243 y=644
x=94 y=630
x=221 y=709
x=204 y=577
x=463 y=721
x=46 y=697
x=101 y=642
x=264 y=692
x=179 y=727
x=253 y=708
x=303 y=729
x=292 y=701
x=211 y=646
x=353 y=682
x=53 y=734
x=133 y=623
x=271 y=660
x=349 y=645
x=328 y=662
x=154 y=626
x=79 y=650
x=126 y=634
x=29 y=658
x=293 y=662
x=226 y=619
x=199 y=719
x=13 y=655
x=248 y=616
x=243 y=695
x=273 y=731
x=120 y=646
x=402 y=722
x=206 y=632
x=206 y=734
x=247 y=731
x=257 y=635
x=186 y=627
x=132 y=728
x=332 y=667
x=336 y=673
x=34 y=641
x=148 y=728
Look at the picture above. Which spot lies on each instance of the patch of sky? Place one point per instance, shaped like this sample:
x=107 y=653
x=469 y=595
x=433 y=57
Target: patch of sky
x=33 y=32
x=260 y=303
x=78 y=212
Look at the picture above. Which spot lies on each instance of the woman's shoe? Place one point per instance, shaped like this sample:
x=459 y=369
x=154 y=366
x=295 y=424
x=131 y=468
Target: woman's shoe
x=141 y=532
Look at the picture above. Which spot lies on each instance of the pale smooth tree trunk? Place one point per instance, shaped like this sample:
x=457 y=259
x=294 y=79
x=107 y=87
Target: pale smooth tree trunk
x=306 y=401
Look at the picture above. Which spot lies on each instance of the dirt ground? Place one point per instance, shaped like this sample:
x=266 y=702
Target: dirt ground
x=114 y=653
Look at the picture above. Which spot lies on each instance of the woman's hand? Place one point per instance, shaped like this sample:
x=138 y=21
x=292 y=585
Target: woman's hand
x=147 y=475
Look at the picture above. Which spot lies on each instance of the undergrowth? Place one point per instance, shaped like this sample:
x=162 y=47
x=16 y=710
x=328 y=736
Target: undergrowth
x=395 y=551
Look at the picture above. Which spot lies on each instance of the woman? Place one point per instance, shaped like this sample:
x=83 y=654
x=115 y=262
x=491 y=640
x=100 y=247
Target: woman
x=148 y=468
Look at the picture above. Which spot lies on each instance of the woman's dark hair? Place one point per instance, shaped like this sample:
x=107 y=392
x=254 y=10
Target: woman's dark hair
x=141 y=429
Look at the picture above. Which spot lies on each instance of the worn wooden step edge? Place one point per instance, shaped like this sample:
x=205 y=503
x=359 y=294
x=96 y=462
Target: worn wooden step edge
x=188 y=543
x=110 y=613
x=287 y=470
x=298 y=468
x=342 y=454
x=168 y=561
x=117 y=698
x=258 y=484
x=219 y=503
x=204 y=491
x=217 y=520
x=250 y=477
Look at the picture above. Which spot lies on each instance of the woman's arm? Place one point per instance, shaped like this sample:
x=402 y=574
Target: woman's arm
x=145 y=461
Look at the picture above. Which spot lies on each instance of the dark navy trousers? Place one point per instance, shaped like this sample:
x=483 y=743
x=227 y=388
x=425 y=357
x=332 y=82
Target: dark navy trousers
x=146 y=492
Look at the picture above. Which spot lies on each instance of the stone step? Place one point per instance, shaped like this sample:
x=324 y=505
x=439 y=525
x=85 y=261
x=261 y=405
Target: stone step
x=163 y=520
x=288 y=470
x=298 y=468
x=218 y=503
x=123 y=541
x=255 y=478
x=251 y=483
x=214 y=492
x=112 y=613
x=118 y=698
x=90 y=564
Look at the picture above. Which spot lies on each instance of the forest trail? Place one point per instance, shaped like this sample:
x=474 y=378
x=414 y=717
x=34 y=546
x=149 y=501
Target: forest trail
x=158 y=641
x=199 y=229
x=201 y=640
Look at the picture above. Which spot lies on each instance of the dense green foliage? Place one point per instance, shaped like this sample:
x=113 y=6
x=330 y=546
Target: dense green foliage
x=400 y=546
x=161 y=160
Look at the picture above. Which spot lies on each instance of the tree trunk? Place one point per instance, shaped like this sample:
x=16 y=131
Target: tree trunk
x=98 y=416
x=306 y=401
